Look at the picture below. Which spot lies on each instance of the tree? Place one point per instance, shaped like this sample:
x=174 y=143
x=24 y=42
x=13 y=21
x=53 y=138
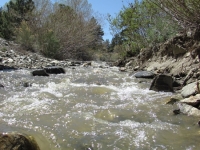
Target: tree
x=74 y=31
x=6 y=28
x=142 y=24
x=61 y=30
x=13 y=15
x=185 y=12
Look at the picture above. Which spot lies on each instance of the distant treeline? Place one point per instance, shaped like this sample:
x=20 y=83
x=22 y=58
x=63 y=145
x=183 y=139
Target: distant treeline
x=66 y=30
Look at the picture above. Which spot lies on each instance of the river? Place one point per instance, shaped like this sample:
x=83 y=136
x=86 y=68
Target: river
x=93 y=108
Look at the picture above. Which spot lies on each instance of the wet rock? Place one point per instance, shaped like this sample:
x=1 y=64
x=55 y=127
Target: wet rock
x=17 y=141
x=122 y=69
x=144 y=74
x=190 y=106
x=188 y=109
x=162 y=83
x=75 y=63
x=190 y=89
x=1 y=85
x=192 y=101
x=176 y=111
x=136 y=68
x=26 y=84
x=40 y=72
x=4 y=67
x=172 y=101
x=86 y=64
x=54 y=70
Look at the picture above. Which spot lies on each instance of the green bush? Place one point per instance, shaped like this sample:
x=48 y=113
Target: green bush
x=25 y=36
x=49 y=44
x=140 y=25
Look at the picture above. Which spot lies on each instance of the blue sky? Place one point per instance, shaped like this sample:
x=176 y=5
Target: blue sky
x=103 y=7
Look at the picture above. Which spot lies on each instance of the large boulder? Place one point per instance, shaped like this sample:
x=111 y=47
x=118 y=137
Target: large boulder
x=54 y=70
x=40 y=72
x=162 y=83
x=144 y=74
x=47 y=71
x=192 y=101
x=190 y=106
x=190 y=89
x=188 y=110
x=17 y=141
x=4 y=67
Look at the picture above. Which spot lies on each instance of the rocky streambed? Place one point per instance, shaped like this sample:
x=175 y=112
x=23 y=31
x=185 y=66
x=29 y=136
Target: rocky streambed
x=92 y=105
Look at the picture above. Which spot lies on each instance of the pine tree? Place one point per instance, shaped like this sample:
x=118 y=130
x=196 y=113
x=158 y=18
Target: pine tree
x=13 y=15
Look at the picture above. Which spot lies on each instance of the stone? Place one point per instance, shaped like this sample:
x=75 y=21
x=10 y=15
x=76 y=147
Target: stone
x=10 y=60
x=188 y=90
x=17 y=141
x=190 y=106
x=162 y=83
x=122 y=69
x=176 y=111
x=1 y=85
x=136 y=68
x=40 y=72
x=172 y=100
x=192 y=101
x=26 y=84
x=189 y=110
x=86 y=64
x=54 y=70
x=144 y=74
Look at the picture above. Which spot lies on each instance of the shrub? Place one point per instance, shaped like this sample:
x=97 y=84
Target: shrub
x=49 y=44
x=25 y=36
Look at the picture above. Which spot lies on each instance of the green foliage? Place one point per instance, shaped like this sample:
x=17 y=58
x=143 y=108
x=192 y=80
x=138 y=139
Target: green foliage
x=140 y=25
x=25 y=36
x=64 y=30
x=49 y=44
x=20 y=10
x=75 y=33
x=13 y=15
x=186 y=13
x=6 y=27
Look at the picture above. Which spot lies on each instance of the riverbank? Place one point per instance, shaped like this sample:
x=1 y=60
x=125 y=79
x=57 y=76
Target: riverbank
x=12 y=56
x=177 y=57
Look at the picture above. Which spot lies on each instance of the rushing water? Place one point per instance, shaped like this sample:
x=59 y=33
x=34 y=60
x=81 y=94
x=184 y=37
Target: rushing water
x=93 y=109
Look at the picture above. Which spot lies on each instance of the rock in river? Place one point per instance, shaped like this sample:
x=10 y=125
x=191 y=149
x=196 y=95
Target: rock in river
x=190 y=106
x=40 y=72
x=162 y=83
x=47 y=71
x=190 y=89
x=144 y=74
x=54 y=70
x=17 y=141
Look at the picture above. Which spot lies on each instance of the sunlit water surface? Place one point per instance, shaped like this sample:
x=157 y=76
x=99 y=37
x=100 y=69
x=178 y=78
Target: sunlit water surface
x=93 y=109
